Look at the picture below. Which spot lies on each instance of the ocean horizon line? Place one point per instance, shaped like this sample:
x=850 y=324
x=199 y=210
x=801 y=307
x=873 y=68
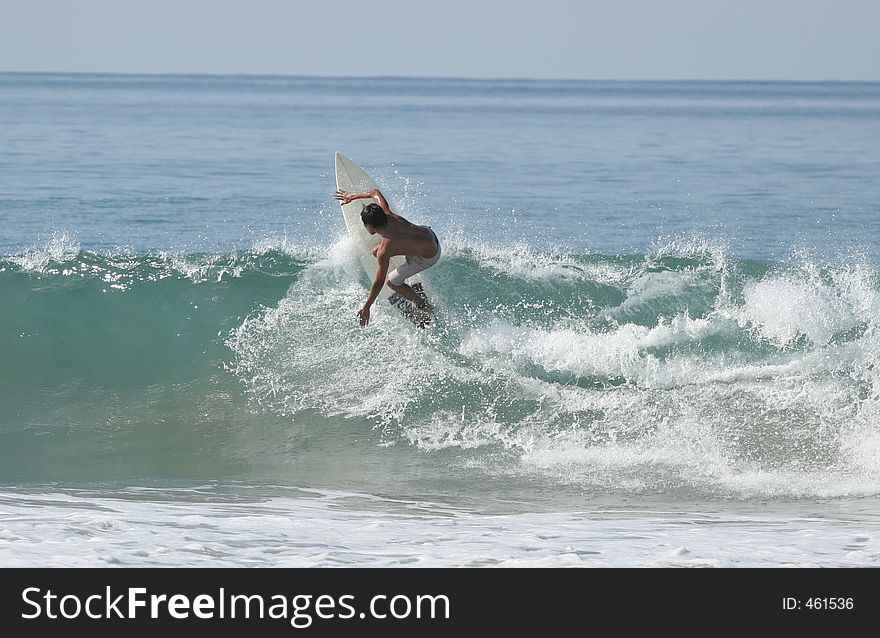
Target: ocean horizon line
x=434 y=78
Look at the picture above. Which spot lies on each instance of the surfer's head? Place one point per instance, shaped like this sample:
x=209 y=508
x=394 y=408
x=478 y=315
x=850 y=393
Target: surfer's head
x=374 y=218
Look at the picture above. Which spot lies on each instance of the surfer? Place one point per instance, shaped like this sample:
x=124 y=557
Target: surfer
x=418 y=244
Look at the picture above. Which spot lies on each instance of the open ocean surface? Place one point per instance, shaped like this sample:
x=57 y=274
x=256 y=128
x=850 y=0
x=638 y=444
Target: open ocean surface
x=657 y=343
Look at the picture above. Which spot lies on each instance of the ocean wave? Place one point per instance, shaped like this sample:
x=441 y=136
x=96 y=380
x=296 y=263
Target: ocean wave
x=680 y=370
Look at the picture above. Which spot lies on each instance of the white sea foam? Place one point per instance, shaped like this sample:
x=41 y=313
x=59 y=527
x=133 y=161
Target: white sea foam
x=295 y=248
x=203 y=268
x=618 y=405
x=60 y=247
x=523 y=262
x=308 y=352
x=584 y=352
x=787 y=306
x=692 y=246
x=321 y=528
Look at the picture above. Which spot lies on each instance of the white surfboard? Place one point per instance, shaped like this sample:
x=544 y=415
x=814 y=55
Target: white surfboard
x=352 y=178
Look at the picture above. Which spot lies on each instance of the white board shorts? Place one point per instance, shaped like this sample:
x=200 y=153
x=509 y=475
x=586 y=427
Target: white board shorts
x=413 y=265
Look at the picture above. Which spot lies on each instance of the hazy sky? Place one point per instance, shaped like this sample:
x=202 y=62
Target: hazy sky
x=623 y=39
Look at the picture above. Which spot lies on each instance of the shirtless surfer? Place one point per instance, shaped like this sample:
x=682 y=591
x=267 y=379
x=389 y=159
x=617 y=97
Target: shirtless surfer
x=399 y=237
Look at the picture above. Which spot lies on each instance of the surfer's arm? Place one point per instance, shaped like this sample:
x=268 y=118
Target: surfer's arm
x=345 y=197
x=381 y=273
x=374 y=193
x=380 y=199
x=379 y=281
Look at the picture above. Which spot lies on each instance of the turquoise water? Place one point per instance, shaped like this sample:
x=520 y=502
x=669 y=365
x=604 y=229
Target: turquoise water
x=657 y=307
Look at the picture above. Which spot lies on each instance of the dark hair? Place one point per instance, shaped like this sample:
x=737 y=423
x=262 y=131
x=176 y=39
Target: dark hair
x=373 y=215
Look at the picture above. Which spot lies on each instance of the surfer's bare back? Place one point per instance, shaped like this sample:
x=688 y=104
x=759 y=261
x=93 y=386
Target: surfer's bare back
x=418 y=244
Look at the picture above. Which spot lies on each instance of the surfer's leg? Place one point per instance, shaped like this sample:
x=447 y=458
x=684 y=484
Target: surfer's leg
x=406 y=291
x=396 y=280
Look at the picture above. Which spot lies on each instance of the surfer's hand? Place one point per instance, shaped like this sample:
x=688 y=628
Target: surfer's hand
x=342 y=196
x=375 y=250
x=364 y=316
